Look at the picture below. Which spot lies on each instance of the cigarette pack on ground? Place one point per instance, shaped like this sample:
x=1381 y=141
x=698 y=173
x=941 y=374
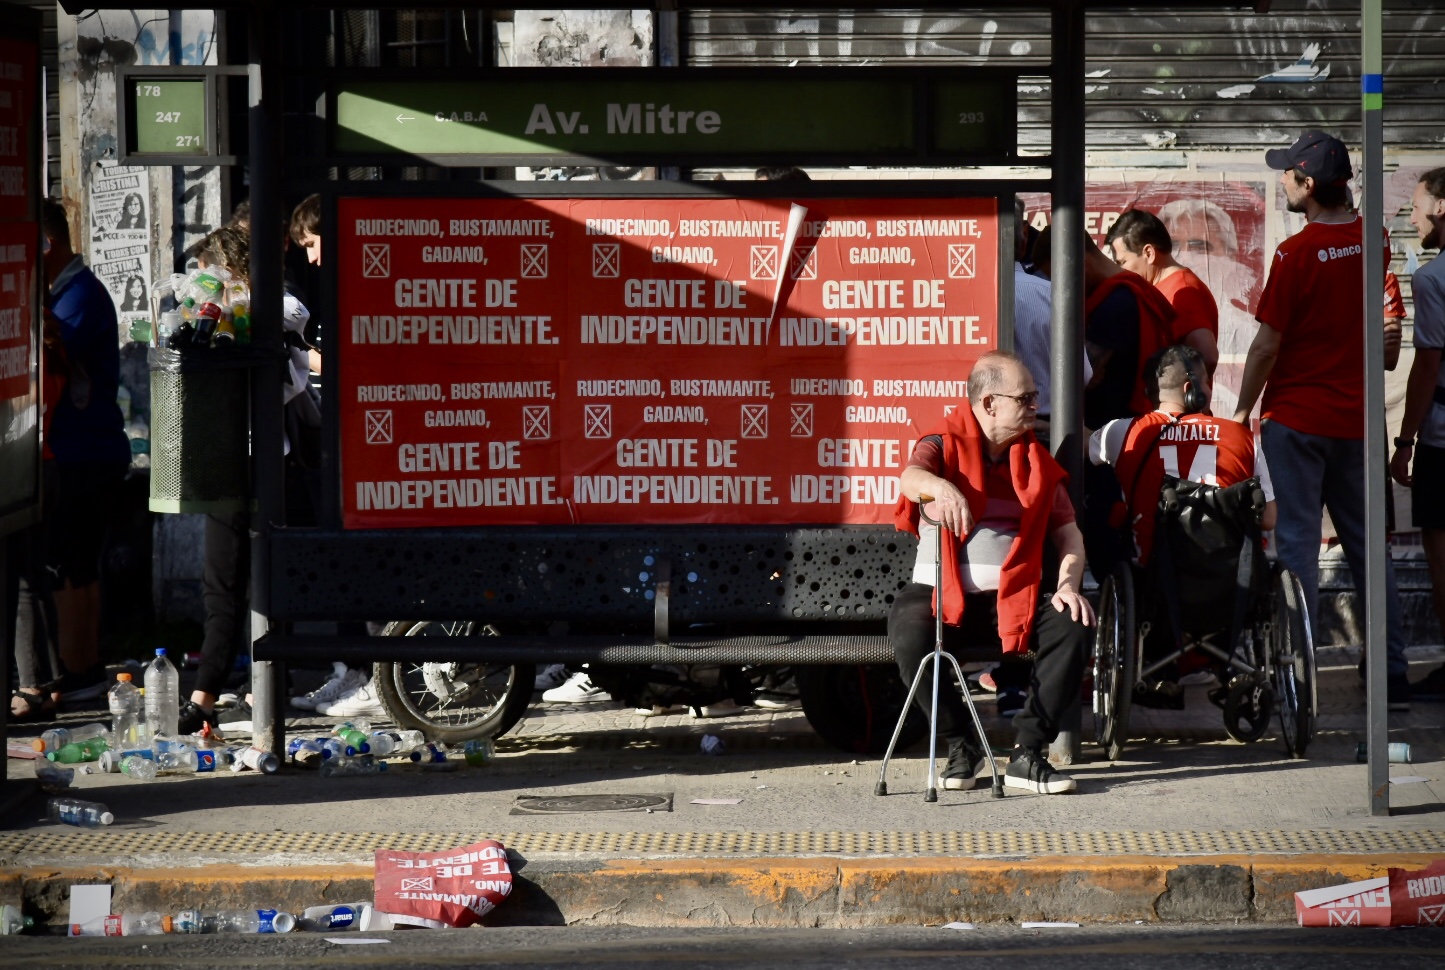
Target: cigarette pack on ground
x=1405 y=897
x=455 y=888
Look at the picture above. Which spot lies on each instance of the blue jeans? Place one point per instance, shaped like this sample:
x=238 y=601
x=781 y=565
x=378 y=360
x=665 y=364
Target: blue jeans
x=1310 y=473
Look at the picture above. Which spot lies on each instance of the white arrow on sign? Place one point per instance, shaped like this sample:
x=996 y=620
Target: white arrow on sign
x=401 y=118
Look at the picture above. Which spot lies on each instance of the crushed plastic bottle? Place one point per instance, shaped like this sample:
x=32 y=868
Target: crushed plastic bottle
x=352 y=767
x=388 y=743
x=57 y=738
x=179 y=760
x=305 y=753
x=162 y=696
x=124 y=924
x=234 y=921
x=127 y=714
x=77 y=752
x=343 y=916
x=74 y=811
x=432 y=751
x=141 y=769
x=13 y=922
x=478 y=751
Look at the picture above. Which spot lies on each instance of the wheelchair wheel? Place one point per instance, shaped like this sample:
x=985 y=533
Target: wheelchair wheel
x=1292 y=662
x=1116 y=661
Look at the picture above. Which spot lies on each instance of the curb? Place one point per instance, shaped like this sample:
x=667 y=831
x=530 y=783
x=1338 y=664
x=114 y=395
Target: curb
x=794 y=893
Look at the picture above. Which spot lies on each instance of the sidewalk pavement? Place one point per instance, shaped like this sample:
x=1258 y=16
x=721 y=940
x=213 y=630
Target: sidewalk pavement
x=1186 y=826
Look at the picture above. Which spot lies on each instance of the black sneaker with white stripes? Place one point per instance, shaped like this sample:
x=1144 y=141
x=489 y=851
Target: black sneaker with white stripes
x=1031 y=771
x=960 y=773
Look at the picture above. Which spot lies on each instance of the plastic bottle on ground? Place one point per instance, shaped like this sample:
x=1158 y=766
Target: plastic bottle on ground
x=352 y=767
x=335 y=747
x=431 y=752
x=388 y=743
x=343 y=916
x=478 y=751
x=162 y=696
x=13 y=922
x=74 y=811
x=111 y=760
x=362 y=724
x=178 y=760
x=141 y=769
x=77 y=752
x=256 y=759
x=57 y=738
x=127 y=714
x=249 y=921
x=145 y=924
x=305 y=753
x=353 y=737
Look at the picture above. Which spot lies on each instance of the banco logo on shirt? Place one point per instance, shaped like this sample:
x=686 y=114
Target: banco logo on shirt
x=1330 y=252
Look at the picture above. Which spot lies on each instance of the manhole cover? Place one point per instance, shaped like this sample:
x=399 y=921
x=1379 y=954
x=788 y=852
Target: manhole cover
x=564 y=804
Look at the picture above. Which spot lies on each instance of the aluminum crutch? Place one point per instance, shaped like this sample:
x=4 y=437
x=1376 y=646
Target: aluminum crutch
x=936 y=658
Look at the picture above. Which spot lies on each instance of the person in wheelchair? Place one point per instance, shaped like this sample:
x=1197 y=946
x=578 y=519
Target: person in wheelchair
x=996 y=489
x=1178 y=441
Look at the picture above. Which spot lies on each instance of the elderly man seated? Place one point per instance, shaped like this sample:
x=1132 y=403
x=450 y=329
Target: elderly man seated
x=1002 y=502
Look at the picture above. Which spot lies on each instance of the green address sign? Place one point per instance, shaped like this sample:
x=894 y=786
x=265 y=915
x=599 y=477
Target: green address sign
x=170 y=116
x=793 y=115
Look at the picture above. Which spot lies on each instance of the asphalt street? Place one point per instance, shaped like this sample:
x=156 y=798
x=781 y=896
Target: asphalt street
x=1129 y=947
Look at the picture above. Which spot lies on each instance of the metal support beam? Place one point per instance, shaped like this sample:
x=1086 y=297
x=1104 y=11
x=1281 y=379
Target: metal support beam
x=1372 y=211
x=1066 y=146
x=267 y=447
x=1067 y=149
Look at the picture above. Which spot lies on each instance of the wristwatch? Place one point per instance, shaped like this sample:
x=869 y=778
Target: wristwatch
x=1404 y=442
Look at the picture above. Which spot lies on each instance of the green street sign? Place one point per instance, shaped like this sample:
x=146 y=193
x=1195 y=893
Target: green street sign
x=547 y=116
x=170 y=116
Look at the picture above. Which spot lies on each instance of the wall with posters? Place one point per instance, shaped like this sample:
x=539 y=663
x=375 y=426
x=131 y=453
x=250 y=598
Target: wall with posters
x=660 y=361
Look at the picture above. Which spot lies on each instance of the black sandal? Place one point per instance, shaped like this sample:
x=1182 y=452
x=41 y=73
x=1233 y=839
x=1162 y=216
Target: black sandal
x=38 y=707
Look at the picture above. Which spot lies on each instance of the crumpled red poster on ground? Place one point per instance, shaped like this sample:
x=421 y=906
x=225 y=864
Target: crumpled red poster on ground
x=1417 y=896
x=456 y=887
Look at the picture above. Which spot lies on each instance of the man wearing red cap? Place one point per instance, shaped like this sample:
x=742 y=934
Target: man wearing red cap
x=1306 y=359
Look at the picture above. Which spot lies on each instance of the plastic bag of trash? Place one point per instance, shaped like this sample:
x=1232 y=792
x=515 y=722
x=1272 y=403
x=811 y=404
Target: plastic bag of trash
x=456 y=887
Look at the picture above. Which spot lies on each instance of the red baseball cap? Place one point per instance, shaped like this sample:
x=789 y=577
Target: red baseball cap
x=1322 y=157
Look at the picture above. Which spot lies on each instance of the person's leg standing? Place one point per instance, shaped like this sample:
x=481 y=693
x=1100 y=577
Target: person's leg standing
x=1297 y=468
x=224 y=585
x=1344 y=495
x=1427 y=511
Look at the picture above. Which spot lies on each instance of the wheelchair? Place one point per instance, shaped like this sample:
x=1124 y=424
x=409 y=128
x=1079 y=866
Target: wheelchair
x=1209 y=590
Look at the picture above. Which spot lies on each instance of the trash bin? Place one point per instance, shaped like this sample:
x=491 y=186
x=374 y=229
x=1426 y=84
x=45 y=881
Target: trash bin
x=200 y=443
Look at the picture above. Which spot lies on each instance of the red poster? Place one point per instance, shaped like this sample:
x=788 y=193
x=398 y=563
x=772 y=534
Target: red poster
x=17 y=311
x=659 y=361
x=17 y=106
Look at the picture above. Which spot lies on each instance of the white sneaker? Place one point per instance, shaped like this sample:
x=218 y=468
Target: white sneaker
x=552 y=675
x=578 y=689
x=360 y=702
x=343 y=680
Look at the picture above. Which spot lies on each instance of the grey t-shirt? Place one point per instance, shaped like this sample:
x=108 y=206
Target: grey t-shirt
x=1428 y=284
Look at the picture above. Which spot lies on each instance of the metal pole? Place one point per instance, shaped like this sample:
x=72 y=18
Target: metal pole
x=1067 y=150
x=267 y=449
x=1066 y=423
x=1372 y=212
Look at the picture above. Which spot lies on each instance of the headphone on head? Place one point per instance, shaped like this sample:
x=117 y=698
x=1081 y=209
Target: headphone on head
x=1195 y=400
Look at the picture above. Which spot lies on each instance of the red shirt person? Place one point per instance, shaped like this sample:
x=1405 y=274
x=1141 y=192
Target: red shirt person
x=1179 y=440
x=1139 y=242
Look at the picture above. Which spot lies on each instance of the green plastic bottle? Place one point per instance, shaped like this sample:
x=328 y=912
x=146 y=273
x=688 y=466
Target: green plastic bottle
x=78 y=751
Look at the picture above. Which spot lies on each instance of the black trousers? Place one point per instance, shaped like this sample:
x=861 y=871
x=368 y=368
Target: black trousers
x=1058 y=643
x=224 y=584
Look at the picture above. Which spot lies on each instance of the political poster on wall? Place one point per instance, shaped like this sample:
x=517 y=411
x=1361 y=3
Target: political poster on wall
x=1219 y=231
x=120 y=238
x=661 y=361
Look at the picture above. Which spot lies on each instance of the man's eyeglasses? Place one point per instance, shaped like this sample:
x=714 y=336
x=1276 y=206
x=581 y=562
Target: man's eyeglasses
x=1029 y=400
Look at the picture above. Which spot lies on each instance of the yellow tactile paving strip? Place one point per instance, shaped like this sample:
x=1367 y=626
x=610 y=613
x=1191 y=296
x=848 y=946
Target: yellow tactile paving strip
x=29 y=847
